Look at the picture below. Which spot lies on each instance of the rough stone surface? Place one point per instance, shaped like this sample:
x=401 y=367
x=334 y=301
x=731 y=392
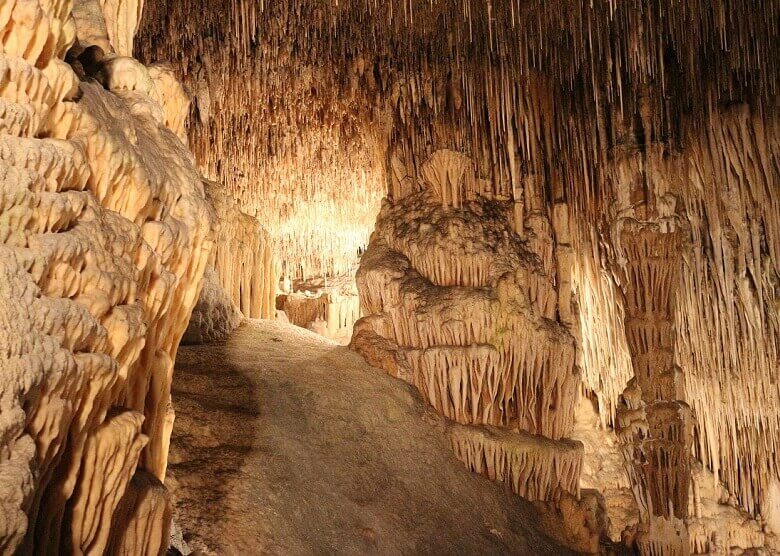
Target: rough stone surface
x=214 y=317
x=104 y=237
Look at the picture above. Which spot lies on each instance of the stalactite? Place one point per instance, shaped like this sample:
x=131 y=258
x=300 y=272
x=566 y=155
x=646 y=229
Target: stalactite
x=331 y=311
x=244 y=257
x=533 y=466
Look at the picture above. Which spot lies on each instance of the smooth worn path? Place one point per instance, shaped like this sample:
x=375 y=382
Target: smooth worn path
x=285 y=443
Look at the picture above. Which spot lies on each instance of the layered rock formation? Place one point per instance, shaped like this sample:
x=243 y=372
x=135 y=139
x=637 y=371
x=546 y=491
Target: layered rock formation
x=613 y=222
x=456 y=304
x=215 y=315
x=543 y=95
x=105 y=237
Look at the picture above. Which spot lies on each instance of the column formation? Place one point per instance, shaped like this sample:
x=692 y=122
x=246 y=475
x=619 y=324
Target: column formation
x=654 y=423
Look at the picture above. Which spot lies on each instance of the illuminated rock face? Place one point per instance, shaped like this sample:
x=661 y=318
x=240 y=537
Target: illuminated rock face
x=458 y=306
x=241 y=277
x=242 y=274
x=328 y=307
x=104 y=238
x=534 y=92
x=244 y=257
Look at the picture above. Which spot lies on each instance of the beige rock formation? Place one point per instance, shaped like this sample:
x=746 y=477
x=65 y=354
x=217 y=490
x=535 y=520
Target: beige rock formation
x=214 y=316
x=582 y=197
x=328 y=307
x=105 y=237
x=241 y=278
x=243 y=257
x=654 y=423
x=457 y=305
x=142 y=519
x=540 y=95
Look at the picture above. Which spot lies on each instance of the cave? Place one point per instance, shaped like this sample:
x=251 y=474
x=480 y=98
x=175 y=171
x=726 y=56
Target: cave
x=390 y=277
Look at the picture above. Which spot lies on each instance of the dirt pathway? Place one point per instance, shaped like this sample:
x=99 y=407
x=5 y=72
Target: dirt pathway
x=285 y=443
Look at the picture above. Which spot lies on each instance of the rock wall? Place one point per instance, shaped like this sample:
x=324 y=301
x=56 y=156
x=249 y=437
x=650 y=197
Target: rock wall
x=244 y=257
x=662 y=280
x=242 y=275
x=723 y=318
x=104 y=238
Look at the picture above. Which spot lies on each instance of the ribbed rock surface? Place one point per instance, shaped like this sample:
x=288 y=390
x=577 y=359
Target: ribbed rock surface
x=457 y=304
x=104 y=237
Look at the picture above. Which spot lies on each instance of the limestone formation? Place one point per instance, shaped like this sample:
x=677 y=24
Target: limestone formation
x=105 y=237
x=215 y=316
x=243 y=257
x=581 y=203
x=242 y=273
x=566 y=99
x=327 y=307
x=457 y=305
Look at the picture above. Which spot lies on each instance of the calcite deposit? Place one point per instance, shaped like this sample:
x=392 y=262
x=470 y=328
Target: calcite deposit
x=456 y=304
x=329 y=307
x=580 y=211
x=105 y=237
x=240 y=280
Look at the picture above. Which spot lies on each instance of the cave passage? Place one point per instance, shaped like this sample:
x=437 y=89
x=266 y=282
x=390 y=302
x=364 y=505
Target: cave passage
x=389 y=277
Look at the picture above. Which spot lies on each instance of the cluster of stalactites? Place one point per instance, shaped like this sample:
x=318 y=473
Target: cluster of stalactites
x=535 y=92
x=329 y=312
x=719 y=188
x=244 y=257
x=526 y=88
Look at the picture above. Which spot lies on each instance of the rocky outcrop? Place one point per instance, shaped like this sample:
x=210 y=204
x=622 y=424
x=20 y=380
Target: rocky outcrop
x=214 y=316
x=104 y=238
x=654 y=424
x=456 y=304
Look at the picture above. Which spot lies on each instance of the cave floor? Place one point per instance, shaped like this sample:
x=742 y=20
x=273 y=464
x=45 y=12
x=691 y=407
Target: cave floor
x=286 y=443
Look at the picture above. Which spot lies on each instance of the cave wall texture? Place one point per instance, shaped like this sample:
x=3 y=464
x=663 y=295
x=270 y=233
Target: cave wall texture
x=106 y=233
x=646 y=130
x=593 y=183
x=242 y=275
